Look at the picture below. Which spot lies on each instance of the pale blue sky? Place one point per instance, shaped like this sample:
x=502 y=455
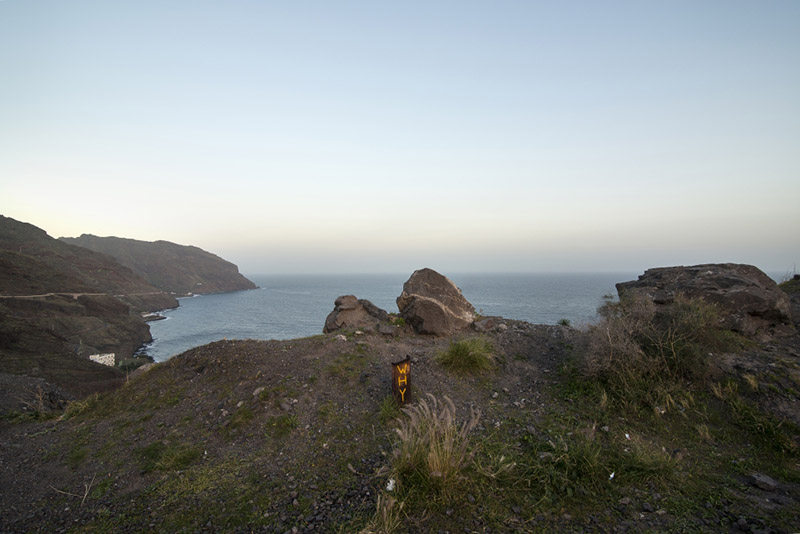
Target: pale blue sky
x=378 y=136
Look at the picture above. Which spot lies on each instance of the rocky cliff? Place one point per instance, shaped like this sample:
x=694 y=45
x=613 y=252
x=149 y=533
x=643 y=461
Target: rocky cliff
x=60 y=303
x=177 y=269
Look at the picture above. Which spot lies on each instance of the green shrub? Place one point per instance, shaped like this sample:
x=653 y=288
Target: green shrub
x=468 y=356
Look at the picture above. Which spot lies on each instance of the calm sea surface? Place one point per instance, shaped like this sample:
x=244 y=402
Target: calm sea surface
x=287 y=306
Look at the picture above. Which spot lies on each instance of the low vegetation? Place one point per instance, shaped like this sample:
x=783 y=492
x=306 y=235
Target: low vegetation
x=630 y=424
x=639 y=396
x=646 y=358
x=468 y=356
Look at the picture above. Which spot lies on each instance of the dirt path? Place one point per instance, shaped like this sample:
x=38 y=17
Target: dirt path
x=76 y=295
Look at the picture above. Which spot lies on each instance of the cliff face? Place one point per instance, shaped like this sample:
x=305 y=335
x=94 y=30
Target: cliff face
x=60 y=303
x=177 y=269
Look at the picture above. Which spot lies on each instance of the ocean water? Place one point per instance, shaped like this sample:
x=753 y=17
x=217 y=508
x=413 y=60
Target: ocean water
x=293 y=306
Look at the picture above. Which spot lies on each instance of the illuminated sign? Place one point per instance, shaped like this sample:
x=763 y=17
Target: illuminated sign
x=400 y=373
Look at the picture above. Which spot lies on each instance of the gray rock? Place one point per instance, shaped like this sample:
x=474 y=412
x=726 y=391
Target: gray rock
x=751 y=301
x=485 y=325
x=764 y=482
x=350 y=312
x=432 y=304
x=388 y=330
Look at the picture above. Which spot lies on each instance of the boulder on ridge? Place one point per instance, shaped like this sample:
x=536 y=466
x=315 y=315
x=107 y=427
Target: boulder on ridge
x=351 y=312
x=432 y=304
x=750 y=301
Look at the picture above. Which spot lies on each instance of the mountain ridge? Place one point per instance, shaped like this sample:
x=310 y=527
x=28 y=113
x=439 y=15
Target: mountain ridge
x=178 y=269
x=61 y=303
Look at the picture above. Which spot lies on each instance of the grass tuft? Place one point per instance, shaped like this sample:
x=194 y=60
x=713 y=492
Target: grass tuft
x=468 y=356
x=433 y=449
x=167 y=456
x=389 y=410
x=386 y=519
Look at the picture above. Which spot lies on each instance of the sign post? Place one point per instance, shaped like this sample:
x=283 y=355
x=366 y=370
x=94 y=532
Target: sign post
x=400 y=380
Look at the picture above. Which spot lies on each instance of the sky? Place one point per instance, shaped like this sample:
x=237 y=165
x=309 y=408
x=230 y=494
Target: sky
x=327 y=137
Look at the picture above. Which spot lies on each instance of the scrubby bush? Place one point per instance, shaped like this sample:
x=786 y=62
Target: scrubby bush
x=643 y=353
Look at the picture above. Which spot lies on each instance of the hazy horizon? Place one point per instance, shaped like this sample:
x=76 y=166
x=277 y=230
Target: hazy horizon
x=361 y=137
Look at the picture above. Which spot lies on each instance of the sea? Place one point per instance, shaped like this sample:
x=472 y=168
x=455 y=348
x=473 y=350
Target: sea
x=294 y=306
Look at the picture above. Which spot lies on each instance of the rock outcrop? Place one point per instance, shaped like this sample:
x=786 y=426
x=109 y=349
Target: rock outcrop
x=751 y=302
x=351 y=312
x=432 y=304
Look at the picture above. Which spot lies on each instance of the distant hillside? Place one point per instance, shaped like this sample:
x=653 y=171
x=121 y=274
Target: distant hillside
x=60 y=303
x=34 y=263
x=178 y=269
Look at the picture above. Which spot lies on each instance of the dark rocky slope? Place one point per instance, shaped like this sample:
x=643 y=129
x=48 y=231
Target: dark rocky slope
x=35 y=263
x=60 y=303
x=177 y=269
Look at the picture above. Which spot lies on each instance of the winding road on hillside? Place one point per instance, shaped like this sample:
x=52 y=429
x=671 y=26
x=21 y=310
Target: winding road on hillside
x=76 y=295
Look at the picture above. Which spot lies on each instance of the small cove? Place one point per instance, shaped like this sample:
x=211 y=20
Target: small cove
x=294 y=306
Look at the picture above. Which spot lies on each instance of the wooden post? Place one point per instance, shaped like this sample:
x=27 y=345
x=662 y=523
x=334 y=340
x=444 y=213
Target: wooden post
x=400 y=380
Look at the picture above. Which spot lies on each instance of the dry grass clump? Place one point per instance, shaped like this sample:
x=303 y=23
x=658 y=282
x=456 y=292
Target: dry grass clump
x=433 y=449
x=386 y=519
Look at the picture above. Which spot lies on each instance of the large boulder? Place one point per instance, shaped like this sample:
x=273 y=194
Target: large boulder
x=350 y=312
x=750 y=301
x=432 y=304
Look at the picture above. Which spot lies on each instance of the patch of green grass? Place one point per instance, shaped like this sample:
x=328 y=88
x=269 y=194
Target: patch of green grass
x=746 y=415
x=564 y=322
x=280 y=426
x=76 y=456
x=241 y=417
x=329 y=414
x=347 y=366
x=389 y=410
x=167 y=455
x=99 y=489
x=231 y=495
x=81 y=407
x=468 y=356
